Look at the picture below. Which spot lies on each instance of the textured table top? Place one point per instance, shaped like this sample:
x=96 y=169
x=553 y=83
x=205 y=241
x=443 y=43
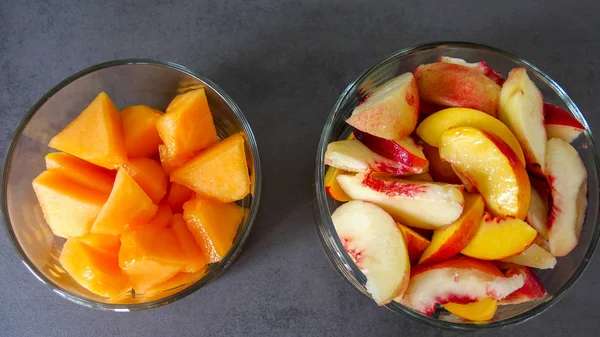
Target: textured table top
x=284 y=63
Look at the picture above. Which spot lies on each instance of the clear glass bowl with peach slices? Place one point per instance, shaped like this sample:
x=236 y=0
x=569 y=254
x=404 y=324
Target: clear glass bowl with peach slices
x=131 y=184
x=458 y=184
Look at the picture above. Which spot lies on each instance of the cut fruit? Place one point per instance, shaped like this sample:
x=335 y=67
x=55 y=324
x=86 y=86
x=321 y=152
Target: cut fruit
x=441 y=171
x=69 y=208
x=161 y=219
x=432 y=128
x=537 y=215
x=332 y=186
x=107 y=244
x=178 y=195
x=405 y=151
x=80 y=171
x=93 y=270
x=165 y=161
x=521 y=109
x=567 y=176
x=459 y=280
x=415 y=243
x=353 y=156
x=449 y=241
x=413 y=203
x=139 y=130
x=193 y=255
x=149 y=175
x=95 y=136
x=492 y=166
x=178 y=282
x=561 y=124
x=127 y=204
x=187 y=127
x=499 y=238
x=531 y=290
x=213 y=225
x=391 y=111
x=220 y=172
x=534 y=257
x=376 y=246
x=457 y=85
x=480 y=66
x=482 y=310
x=420 y=177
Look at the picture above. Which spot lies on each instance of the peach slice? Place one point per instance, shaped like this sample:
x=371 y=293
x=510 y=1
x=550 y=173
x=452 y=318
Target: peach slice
x=567 y=176
x=415 y=243
x=432 y=128
x=449 y=241
x=492 y=166
x=458 y=280
x=405 y=150
x=441 y=171
x=480 y=66
x=498 y=238
x=534 y=257
x=482 y=310
x=332 y=186
x=413 y=203
x=531 y=290
x=353 y=156
x=537 y=215
x=391 y=111
x=561 y=124
x=376 y=246
x=521 y=109
x=456 y=85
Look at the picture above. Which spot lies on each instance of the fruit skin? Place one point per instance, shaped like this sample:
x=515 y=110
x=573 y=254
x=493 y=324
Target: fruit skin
x=405 y=150
x=413 y=203
x=482 y=310
x=521 y=109
x=535 y=257
x=432 y=128
x=139 y=130
x=376 y=246
x=459 y=280
x=456 y=85
x=220 y=172
x=187 y=127
x=561 y=124
x=531 y=290
x=415 y=243
x=480 y=66
x=149 y=175
x=354 y=156
x=567 y=177
x=69 y=208
x=96 y=135
x=178 y=195
x=332 y=186
x=450 y=240
x=498 y=238
x=441 y=171
x=80 y=171
x=492 y=166
x=391 y=111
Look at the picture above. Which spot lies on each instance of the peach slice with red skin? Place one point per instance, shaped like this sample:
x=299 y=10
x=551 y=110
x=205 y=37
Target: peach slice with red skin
x=480 y=66
x=391 y=111
x=415 y=243
x=405 y=150
x=531 y=290
x=561 y=124
x=332 y=186
x=440 y=170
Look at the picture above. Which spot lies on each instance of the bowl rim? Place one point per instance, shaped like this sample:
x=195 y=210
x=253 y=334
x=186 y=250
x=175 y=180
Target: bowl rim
x=324 y=224
x=213 y=271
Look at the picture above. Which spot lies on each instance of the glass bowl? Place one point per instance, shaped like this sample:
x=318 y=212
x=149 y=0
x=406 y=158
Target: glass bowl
x=568 y=269
x=127 y=82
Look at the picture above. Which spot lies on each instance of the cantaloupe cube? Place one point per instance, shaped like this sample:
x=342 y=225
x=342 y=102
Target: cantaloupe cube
x=69 y=208
x=149 y=174
x=93 y=270
x=127 y=204
x=220 y=172
x=139 y=130
x=150 y=256
x=105 y=243
x=194 y=257
x=162 y=218
x=187 y=127
x=213 y=224
x=80 y=171
x=165 y=161
x=178 y=195
x=96 y=135
x=178 y=282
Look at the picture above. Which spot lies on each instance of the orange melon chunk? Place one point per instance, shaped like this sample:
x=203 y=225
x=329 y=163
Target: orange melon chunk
x=149 y=175
x=188 y=126
x=93 y=270
x=139 y=130
x=166 y=162
x=213 y=224
x=192 y=252
x=221 y=172
x=178 y=195
x=162 y=218
x=127 y=204
x=178 y=282
x=80 y=171
x=95 y=136
x=69 y=208
x=107 y=244
x=150 y=256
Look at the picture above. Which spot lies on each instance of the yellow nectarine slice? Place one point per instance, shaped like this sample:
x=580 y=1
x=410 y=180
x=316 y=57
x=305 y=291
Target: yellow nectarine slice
x=149 y=175
x=139 y=130
x=482 y=310
x=81 y=171
x=415 y=243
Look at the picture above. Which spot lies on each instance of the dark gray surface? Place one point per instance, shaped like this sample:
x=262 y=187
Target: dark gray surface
x=285 y=65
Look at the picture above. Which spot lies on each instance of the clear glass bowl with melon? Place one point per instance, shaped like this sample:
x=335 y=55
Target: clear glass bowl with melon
x=131 y=184
x=453 y=190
